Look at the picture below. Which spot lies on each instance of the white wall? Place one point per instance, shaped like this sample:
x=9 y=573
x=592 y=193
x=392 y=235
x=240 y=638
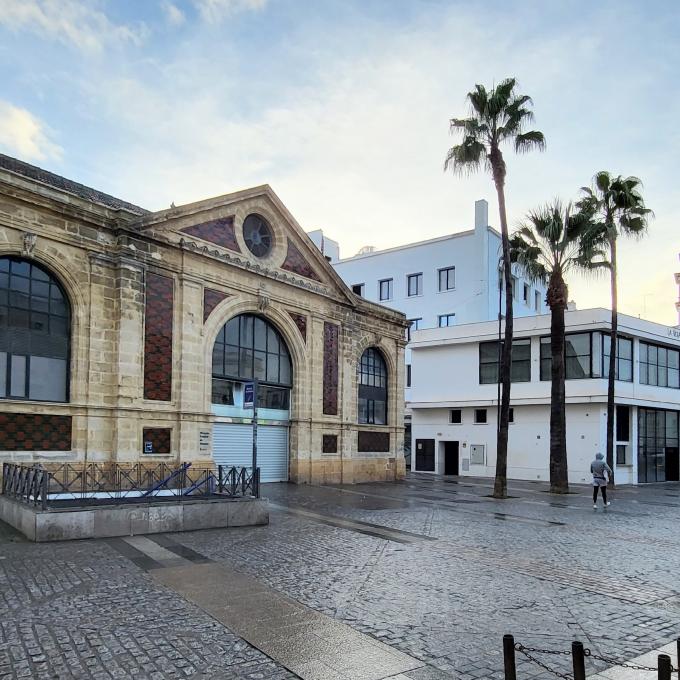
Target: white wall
x=528 y=442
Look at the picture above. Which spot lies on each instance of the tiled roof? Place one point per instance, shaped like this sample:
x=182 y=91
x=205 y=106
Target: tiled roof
x=59 y=182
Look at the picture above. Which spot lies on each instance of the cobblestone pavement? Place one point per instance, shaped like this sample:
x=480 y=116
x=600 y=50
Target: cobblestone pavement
x=547 y=569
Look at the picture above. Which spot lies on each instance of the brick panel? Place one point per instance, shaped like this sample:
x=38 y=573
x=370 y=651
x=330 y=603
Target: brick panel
x=158 y=337
x=300 y=321
x=330 y=443
x=156 y=440
x=34 y=432
x=295 y=262
x=211 y=298
x=219 y=231
x=373 y=442
x=330 y=369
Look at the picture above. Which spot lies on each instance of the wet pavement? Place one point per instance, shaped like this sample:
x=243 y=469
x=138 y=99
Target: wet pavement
x=433 y=569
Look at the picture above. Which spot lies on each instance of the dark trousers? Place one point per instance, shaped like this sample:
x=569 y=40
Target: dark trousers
x=603 y=489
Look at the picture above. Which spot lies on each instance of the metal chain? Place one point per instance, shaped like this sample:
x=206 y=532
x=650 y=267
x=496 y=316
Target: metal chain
x=586 y=652
x=525 y=650
x=623 y=664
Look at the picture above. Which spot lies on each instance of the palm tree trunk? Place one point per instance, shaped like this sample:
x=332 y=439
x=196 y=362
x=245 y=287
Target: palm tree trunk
x=559 y=482
x=501 y=482
x=611 y=383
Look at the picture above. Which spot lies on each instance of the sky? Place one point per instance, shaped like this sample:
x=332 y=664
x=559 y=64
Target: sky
x=343 y=108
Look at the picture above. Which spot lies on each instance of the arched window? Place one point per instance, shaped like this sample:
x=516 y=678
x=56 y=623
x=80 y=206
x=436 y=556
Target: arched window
x=34 y=333
x=249 y=348
x=372 y=388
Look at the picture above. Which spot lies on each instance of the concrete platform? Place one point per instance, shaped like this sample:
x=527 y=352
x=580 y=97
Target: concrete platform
x=105 y=521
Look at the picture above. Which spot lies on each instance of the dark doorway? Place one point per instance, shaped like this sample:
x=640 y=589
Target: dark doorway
x=425 y=455
x=450 y=458
x=672 y=464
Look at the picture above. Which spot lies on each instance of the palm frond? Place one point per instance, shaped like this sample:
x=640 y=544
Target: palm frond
x=528 y=141
x=466 y=157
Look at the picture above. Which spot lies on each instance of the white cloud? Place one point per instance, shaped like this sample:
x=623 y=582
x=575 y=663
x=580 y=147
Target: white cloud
x=173 y=14
x=215 y=11
x=70 y=22
x=24 y=135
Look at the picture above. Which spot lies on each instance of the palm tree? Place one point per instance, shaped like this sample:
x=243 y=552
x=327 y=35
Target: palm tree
x=497 y=116
x=619 y=209
x=554 y=241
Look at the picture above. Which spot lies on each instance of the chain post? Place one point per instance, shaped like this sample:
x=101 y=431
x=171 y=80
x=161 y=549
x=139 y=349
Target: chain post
x=509 y=657
x=578 y=660
x=664 y=667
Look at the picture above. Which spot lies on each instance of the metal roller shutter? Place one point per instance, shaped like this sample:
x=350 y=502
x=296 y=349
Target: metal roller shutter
x=233 y=445
x=272 y=453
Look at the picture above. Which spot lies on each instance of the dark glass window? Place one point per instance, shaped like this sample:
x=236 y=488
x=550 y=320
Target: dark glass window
x=414 y=284
x=583 y=356
x=258 y=235
x=657 y=445
x=480 y=416
x=624 y=357
x=372 y=378
x=446 y=320
x=455 y=416
x=414 y=325
x=521 y=361
x=385 y=289
x=659 y=366
x=34 y=333
x=248 y=347
x=358 y=289
x=408 y=375
x=447 y=279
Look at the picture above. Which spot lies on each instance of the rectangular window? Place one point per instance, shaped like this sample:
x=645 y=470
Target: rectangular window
x=515 y=288
x=385 y=289
x=358 y=289
x=446 y=320
x=511 y=417
x=480 y=416
x=520 y=370
x=17 y=376
x=3 y=374
x=622 y=457
x=624 y=357
x=537 y=300
x=622 y=423
x=659 y=366
x=47 y=379
x=414 y=325
x=527 y=294
x=583 y=357
x=455 y=416
x=414 y=284
x=447 y=279
x=408 y=375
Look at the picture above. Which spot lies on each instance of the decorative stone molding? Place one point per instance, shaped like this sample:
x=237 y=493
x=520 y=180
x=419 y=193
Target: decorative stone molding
x=295 y=262
x=220 y=232
x=211 y=298
x=301 y=322
x=28 y=244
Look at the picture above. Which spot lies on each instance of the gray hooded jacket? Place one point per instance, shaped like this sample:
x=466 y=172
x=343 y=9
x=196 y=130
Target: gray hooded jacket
x=598 y=467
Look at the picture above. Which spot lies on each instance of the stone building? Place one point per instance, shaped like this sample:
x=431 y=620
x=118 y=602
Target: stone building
x=128 y=335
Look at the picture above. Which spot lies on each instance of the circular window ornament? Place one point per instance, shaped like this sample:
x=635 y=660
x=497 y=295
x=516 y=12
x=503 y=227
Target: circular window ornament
x=258 y=235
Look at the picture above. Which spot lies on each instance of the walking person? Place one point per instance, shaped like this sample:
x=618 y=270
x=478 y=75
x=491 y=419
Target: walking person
x=601 y=472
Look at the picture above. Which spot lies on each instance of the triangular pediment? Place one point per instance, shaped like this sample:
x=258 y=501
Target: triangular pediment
x=215 y=227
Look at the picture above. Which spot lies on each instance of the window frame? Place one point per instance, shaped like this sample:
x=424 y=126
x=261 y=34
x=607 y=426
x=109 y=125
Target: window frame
x=361 y=286
x=418 y=277
x=646 y=363
x=371 y=367
x=47 y=278
x=477 y=413
x=526 y=294
x=516 y=342
x=410 y=327
x=459 y=411
x=448 y=317
x=390 y=289
x=408 y=375
x=448 y=272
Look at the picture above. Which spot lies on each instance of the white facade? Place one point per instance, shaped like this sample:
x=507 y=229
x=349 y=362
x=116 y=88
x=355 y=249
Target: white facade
x=466 y=293
x=447 y=379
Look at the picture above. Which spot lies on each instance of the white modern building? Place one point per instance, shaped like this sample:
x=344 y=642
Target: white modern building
x=441 y=282
x=454 y=398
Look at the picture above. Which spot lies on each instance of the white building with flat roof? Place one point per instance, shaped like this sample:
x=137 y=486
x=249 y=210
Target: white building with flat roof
x=454 y=398
x=441 y=282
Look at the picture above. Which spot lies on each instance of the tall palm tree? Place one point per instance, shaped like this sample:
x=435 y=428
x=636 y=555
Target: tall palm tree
x=619 y=209
x=554 y=241
x=497 y=116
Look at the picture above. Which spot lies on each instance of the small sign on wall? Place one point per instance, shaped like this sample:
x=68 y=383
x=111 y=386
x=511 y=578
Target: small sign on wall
x=477 y=454
x=148 y=447
x=248 y=395
x=204 y=441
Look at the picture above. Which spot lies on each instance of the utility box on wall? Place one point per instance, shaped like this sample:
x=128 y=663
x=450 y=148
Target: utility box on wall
x=477 y=454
